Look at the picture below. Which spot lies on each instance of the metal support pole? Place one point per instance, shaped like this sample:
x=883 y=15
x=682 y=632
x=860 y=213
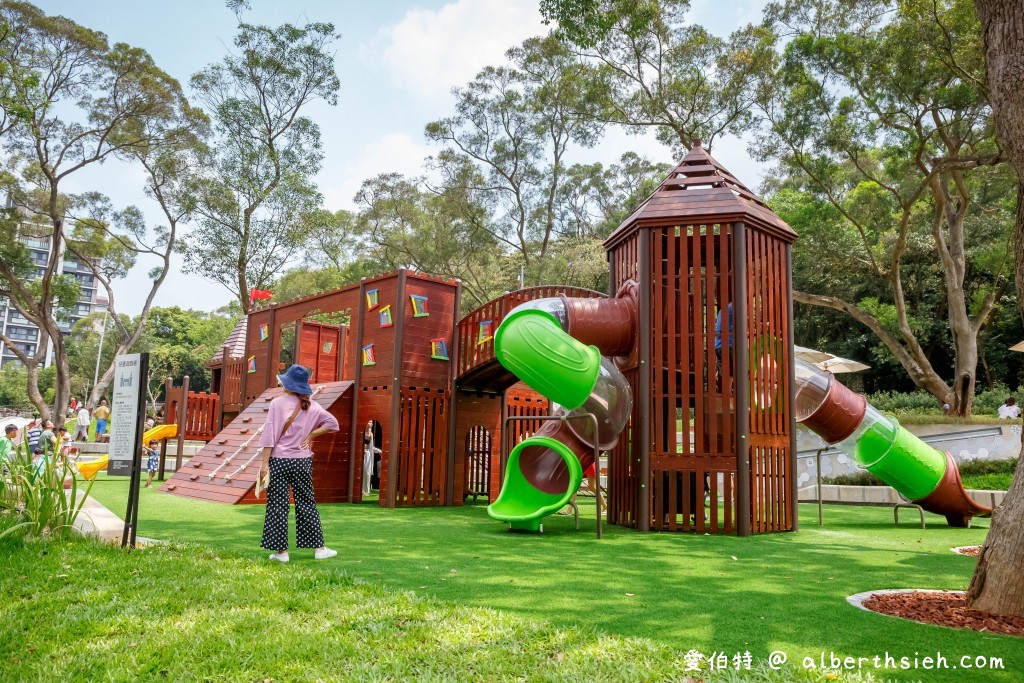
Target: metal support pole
x=817 y=459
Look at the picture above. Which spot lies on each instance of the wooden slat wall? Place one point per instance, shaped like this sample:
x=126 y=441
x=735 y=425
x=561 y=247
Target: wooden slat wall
x=200 y=416
x=231 y=384
x=768 y=329
x=476 y=412
x=422 y=448
x=693 y=421
x=478 y=463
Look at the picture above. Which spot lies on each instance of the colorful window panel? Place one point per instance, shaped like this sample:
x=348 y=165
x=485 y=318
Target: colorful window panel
x=368 y=356
x=438 y=349
x=486 y=332
x=419 y=306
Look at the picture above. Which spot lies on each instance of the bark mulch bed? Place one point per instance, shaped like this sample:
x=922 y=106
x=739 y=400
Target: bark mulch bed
x=969 y=550
x=943 y=609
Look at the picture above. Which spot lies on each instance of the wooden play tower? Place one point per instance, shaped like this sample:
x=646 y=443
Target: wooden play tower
x=711 y=444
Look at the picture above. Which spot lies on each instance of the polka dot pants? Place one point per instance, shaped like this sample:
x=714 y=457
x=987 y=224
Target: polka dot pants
x=296 y=473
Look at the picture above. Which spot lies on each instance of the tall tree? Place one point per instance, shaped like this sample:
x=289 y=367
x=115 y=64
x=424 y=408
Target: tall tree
x=998 y=583
x=881 y=110
x=71 y=101
x=650 y=68
x=405 y=223
x=514 y=124
x=594 y=200
x=108 y=244
x=250 y=193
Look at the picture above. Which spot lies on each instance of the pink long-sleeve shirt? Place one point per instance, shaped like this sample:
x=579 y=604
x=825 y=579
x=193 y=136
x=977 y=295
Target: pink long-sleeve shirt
x=289 y=445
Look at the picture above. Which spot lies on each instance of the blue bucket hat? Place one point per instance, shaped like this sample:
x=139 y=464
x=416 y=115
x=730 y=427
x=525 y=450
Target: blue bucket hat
x=296 y=380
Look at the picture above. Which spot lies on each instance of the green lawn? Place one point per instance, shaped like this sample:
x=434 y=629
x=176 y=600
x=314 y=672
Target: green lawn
x=778 y=592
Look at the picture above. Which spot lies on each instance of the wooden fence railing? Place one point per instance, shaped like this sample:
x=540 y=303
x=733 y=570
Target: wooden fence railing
x=231 y=384
x=201 y=413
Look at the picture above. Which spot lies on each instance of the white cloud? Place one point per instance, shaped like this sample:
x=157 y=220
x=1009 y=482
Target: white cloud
x=394 y=152
x=428 y=52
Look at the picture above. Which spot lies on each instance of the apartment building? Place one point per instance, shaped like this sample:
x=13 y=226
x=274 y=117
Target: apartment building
x=26 y=334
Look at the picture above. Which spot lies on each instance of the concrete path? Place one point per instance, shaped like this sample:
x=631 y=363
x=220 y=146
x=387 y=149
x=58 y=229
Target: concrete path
x=96 y=520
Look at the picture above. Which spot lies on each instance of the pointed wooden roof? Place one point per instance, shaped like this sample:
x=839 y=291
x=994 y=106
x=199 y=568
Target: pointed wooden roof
x=235 y=343
x=701 y=190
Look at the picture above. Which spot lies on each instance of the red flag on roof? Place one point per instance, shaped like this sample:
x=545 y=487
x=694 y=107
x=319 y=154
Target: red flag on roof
x=257 y=294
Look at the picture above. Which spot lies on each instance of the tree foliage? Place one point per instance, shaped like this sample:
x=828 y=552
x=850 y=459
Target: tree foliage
x=878 y=112
x=69 y=100
x=250 y=195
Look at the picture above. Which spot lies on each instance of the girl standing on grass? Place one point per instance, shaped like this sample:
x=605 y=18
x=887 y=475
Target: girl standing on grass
x=293 y=421
x=152 y=461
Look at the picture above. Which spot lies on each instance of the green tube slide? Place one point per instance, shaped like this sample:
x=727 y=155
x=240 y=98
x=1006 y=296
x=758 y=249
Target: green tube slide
x=899 y=458
x=919 y=472
x=522 y=504
x=532 y=344
x=543 y=472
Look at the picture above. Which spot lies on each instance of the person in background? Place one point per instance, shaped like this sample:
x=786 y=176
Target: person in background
x=102 y=415
x=369 y=451
x=152 y=460
x=150 y=422
x=293 y=422
x=33 y=433
x=38 y=462
x=1009 y=410
x=7 y=450
x=73 y=405
x=718 y=342
x=82 y=430
x=48 y=439
x=63 y=442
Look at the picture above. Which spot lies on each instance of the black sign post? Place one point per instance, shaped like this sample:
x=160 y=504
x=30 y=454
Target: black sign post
x=133 y=369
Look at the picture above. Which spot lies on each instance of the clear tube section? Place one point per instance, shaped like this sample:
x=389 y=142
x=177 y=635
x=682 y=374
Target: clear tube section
x=610 y=399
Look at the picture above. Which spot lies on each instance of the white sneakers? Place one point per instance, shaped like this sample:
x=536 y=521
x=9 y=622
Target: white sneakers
x=324 y=554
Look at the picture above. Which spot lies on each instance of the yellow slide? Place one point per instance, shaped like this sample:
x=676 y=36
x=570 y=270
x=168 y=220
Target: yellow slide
x=160 y=432
x=89 y=469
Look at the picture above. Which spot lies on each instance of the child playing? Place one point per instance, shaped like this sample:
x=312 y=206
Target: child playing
x=38 y=462
x=152 y=460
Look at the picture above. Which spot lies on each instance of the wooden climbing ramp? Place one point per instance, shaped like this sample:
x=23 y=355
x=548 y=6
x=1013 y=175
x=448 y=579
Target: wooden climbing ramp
x=225 y=470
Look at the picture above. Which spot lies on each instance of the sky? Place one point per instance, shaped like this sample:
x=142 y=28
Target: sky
x=397 y=61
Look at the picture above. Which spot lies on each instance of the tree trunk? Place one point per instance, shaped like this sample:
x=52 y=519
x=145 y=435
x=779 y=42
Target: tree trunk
x=998 y=582
x=63 y=381
x=34 y=395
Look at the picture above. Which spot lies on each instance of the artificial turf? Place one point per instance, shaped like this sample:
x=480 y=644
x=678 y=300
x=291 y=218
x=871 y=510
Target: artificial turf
x=709 y=593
